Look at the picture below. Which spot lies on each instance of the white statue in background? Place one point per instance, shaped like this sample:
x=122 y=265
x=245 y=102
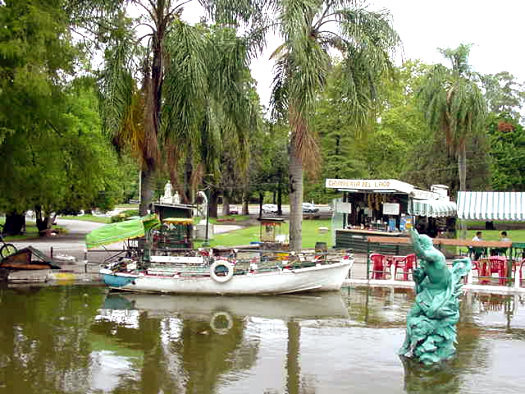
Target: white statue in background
x=202 y=209
x=167 y=198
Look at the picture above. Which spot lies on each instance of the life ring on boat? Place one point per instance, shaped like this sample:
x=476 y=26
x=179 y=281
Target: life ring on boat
x=216 y=318
x=221 y=271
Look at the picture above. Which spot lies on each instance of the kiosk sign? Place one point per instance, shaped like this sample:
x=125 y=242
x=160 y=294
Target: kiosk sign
x=390 y=185
x=390 y=208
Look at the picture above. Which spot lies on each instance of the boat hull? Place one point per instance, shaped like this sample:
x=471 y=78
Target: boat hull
x=327 y=277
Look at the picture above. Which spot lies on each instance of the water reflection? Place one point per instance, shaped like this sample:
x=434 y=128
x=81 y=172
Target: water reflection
x=44 y=338
x=202 y=338
x=81 y=339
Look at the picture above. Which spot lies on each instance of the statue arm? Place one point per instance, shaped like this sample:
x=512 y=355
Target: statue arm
x=420 y=252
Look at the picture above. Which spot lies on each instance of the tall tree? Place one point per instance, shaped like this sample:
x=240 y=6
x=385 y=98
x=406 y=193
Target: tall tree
x=505 y=97
x=454 y=105
x=194 y=90
x=44 y=117
x=504 y=94
x=507 y=152
x=310 y=29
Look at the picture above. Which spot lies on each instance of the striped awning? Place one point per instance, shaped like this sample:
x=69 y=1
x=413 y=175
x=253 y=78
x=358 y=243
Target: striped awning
x=491 y=205
x=433 y=208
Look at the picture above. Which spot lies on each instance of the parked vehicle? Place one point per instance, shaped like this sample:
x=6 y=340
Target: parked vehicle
x=269 y=208
x=234 y=210
x=309 y=208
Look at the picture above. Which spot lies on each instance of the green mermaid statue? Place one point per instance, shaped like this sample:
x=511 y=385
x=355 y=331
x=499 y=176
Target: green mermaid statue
x=431 y=322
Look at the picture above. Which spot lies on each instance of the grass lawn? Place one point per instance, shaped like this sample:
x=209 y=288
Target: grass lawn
x=249 y=234
x=481 y=223
x=88 y=218
x=311 y=234
x=127 y=206
x=229 y=219
x=494 y=235
x=30 y=233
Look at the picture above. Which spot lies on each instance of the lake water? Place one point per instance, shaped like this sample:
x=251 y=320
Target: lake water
x=82 y=339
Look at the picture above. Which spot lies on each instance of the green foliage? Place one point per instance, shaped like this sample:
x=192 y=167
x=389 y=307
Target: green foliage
x=268 y=168
x=507 y=151
x=400 y=128
x=503 y=94
x=451 y=100
x=70 y=166
x=210 y=102
x=35 y=57
x=54 y=156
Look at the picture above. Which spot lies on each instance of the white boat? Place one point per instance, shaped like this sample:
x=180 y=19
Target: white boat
x=221 y=279
x=204 y=274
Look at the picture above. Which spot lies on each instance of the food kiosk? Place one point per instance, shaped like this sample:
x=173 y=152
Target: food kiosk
x=387 y=207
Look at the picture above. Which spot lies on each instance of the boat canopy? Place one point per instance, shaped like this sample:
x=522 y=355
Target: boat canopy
x=120 y=231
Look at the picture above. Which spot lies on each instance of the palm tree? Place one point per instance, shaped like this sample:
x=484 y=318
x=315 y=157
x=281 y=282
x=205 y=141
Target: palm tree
x=453 y=104
x=311 y=29
x=210 y=109
x=196 y=92
x=131 y=115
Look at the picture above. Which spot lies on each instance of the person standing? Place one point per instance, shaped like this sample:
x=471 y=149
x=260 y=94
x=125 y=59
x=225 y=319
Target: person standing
x=478 y=252
x=503 y=238
x=478 y=236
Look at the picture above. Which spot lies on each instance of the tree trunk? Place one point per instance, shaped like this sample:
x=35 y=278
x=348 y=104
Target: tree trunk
x=462 y=167
x=153 y=84
x=462 y=172
x=214 y=203
x=43 y=222
x=245 y=202
x=261 y=199
x=147 y=187
x=279 y=198
x=225 y=203
x=14 y=223
x=187 y=178
x=296 y=198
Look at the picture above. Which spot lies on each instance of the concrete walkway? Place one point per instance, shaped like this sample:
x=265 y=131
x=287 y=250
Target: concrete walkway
x=225 y=228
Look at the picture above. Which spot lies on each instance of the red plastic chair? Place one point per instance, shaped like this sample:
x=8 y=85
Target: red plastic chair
x=378 y=265
x=498 y=265
x=406 y=264
x=493 y=265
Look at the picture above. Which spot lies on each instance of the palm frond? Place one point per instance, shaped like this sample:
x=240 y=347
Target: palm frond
x=185 y=83
x=451 y=102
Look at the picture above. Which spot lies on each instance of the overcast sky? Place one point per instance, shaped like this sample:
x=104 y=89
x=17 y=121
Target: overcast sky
x=495 y=28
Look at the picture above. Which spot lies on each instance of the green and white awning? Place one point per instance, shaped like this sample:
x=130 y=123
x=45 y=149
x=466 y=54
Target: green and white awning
x=433 y=208
x=491 y=205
